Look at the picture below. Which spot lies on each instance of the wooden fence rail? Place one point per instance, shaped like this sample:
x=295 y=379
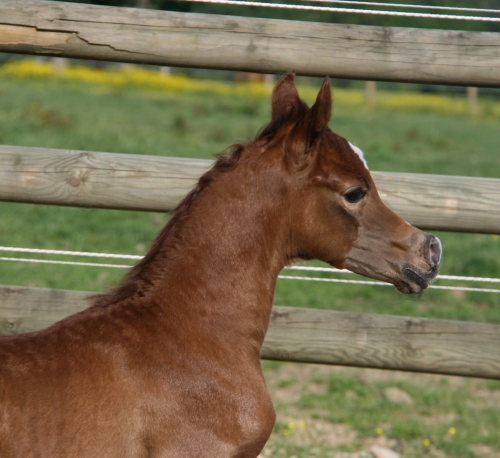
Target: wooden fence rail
x=249 y=44
x=316 y=336
x=134 y=182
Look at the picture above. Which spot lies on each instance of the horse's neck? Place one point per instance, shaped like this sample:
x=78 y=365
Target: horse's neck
x=221 y=263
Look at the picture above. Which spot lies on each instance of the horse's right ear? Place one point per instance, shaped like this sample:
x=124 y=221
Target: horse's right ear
x=286 y=102
x=309 y=127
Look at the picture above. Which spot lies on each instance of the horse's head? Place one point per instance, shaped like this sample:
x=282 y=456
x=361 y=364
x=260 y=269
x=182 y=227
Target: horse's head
x=338 y=216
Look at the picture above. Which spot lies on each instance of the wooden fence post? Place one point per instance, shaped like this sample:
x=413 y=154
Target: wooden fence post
x=370 y=92
x=472 y=107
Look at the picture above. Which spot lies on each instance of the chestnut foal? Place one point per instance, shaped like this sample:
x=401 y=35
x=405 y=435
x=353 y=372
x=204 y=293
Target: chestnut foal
x=167 y=364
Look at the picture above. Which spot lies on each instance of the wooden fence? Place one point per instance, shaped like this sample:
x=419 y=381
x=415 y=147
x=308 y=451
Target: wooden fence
x=107 y=180
x=137 y=182
x=250 y=44
x=317 y=336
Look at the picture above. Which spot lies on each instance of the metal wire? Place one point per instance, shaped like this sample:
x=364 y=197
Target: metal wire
x=408 y=6
x=68 y=263
x=350 y=10
x=69 y=253
x=285 y=277
x=376 y=283
x=137 y=257
x=439 y=277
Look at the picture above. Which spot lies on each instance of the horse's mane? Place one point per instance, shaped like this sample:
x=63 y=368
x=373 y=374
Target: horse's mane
x=226 y=161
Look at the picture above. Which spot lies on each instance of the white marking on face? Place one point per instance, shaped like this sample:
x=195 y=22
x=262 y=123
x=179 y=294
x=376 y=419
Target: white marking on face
x=360 y=154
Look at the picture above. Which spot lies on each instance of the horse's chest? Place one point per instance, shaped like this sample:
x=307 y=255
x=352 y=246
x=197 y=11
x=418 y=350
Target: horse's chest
x=230 y=416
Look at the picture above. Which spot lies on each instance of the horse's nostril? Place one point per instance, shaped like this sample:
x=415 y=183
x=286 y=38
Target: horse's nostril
x=435 y=251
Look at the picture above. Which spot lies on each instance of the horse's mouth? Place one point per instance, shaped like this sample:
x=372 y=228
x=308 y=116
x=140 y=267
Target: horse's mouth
x=415 y=281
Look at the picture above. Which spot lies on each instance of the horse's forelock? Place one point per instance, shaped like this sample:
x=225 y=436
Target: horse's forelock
x=271 y=130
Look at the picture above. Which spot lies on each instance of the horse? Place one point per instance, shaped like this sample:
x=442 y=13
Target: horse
x=167 y=364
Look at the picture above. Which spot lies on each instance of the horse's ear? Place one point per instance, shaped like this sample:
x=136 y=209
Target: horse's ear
x=286 y=102
x=311 y=125
x=322 y=108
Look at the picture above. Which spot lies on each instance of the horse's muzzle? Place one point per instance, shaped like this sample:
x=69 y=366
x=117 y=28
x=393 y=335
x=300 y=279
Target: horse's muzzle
x=416 y=280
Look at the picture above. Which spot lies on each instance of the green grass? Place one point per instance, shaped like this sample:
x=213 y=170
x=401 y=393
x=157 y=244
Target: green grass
x=57 y=114
x=323 y=411
x=60 y=114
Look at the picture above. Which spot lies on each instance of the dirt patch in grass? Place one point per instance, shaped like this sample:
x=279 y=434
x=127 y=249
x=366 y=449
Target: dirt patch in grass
x=483 y=398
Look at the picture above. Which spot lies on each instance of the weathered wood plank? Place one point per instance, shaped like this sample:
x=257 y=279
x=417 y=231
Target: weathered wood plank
x=316 y=336
x=250 y=44
x=89 y=179
x=443 y=202
x=31 y=309
x=134 y=182
x=384 y=342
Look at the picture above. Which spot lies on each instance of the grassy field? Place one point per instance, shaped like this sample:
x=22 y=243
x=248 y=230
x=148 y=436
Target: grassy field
x=322 y=411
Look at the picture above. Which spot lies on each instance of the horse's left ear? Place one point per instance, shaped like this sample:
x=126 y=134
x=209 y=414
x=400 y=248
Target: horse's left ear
x=322 y=108
x=311 y=125
x=286 y=103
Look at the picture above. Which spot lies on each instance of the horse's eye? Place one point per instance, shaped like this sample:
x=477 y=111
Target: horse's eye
x=355 y=195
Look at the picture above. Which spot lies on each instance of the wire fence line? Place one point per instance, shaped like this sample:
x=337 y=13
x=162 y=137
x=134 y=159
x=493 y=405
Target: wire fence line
x=69 y=253
x=67 y=263
x=439 y=277
x=283 y=277
x=410 y=6
x=376 y=283
x=331 y=9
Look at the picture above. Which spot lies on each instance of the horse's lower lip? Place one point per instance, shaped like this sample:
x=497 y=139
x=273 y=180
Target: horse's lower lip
x=416 y=277
x=416 y=280
x=407 y=287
